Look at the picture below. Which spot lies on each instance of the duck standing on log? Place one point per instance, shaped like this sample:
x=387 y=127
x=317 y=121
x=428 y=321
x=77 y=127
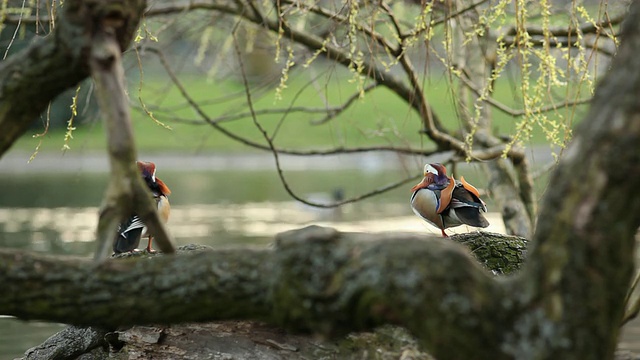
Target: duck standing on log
x=445 y=202
x=133 y=229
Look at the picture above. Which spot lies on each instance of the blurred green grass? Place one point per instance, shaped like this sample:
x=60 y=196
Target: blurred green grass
x=379 y=118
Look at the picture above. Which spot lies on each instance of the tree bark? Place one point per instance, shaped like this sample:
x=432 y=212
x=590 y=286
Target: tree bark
x=29 y=80
x=68 y=344
x=317 y=280
x=246 y=340
x=505 y=189
x=565 y=304
x=582 y=257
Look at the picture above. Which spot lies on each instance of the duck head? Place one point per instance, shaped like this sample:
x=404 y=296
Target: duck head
x=148 y=170
x=435 y=178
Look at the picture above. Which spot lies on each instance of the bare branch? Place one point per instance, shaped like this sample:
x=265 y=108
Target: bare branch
x=544 y=169
x=521 y=112
x=276 y=157
x=414 y=95
x=586 y=28
x=337 y=110
x=245 y=141
x=560 y=41
x=448 y=17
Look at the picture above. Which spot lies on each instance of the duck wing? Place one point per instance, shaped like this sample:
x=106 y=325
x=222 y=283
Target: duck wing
x=128 y=236
x=467 y=205
x=445 y=196
x=471 y=216
x=476 y=195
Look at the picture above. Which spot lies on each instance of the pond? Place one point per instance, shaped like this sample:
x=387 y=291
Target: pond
x=232 y=205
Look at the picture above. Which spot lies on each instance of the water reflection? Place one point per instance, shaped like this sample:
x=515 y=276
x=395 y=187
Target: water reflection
x=18 y=336
x=71 y=230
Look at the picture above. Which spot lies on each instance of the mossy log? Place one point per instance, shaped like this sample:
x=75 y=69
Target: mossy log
x=500 y=254
x=310 y=271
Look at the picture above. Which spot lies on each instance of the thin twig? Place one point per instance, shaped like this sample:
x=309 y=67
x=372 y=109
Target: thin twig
x=276 y=156
x=15 y=33
x=246 y=141
x=544 y=169
x=563 y=31
x=332 y=113
x=513 y=112
x=538 y=41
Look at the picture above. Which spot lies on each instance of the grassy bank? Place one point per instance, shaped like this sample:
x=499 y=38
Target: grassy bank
x=380 y=118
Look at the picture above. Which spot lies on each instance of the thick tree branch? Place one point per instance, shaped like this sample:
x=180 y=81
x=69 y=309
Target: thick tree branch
x=591 y=213
x=29 y=80
x=317 y=279
x=33 y=77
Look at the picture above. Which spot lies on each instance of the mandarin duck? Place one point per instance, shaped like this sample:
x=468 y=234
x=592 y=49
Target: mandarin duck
x=132 y=230
x=445 y=202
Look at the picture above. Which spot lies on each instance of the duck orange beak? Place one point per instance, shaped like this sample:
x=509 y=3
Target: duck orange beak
x=422 y=184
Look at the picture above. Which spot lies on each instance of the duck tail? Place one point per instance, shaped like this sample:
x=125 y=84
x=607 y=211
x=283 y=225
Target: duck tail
x=128 y=241
x=471 y=216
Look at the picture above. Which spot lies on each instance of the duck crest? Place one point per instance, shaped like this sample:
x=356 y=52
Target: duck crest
x=148 y=169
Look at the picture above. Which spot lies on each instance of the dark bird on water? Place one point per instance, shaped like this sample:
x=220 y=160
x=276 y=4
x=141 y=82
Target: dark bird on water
x=133 y=229
x=445 y=202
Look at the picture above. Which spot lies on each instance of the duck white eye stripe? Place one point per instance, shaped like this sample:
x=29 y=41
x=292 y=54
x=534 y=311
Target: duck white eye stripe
x=153 y=176
x=430 y=169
